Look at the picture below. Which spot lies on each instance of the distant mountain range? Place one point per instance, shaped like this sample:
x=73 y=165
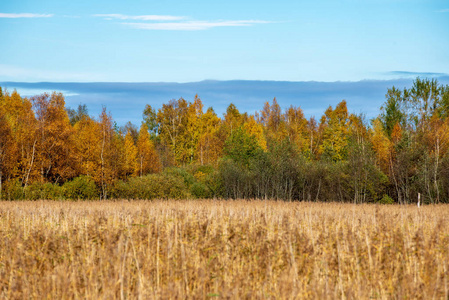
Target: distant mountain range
x=126 y=101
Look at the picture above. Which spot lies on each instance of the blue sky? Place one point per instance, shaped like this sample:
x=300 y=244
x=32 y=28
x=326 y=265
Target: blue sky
x=187 y=41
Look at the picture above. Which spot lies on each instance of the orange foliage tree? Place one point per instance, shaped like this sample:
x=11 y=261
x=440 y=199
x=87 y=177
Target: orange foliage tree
x=54 y=138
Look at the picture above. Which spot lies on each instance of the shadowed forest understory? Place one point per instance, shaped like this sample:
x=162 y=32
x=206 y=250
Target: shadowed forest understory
x=181 y=150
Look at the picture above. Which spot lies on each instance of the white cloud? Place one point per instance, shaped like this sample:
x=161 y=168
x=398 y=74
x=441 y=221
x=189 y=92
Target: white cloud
x=443 y=10
x=24 y=15
x=141 y=18
x=71 y=17
x=193 y=25
x=168 y=22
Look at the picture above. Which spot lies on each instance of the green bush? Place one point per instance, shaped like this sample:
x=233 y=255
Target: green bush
x=82 y=187
x=386 y=200
x=241 y=146
x=200 y=190
x=34 y=191
x=120 y=190
x=197 y=168
x=13 y=190
x=43 y=191
x=205 y=180
x=174 y=188
x=153 y=186
x=188 y=178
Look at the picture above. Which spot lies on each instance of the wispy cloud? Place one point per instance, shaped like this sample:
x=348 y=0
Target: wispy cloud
x=414 y=74
x=140 y=18
x=24 y=15
x=169 y=22
x=71 y=16
x=443 y=10
x=193 y=25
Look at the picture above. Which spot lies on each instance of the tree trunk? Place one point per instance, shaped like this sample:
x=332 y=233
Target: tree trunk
x=31 y=164
x=435 y=174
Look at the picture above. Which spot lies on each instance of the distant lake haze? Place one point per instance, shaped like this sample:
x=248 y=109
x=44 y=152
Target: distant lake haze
x=126 y=101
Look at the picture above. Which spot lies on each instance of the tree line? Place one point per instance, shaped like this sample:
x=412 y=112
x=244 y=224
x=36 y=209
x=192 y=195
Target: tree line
x=182 y=150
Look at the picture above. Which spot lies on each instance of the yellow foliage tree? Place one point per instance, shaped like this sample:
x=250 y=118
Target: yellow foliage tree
x=193 y=130
x=211 y=139
x=96 y=152
x=130 y=162
x=147 y=158
x=233 y=119
x=297 y=128
x=335 y=138
x=87 y=147
x=172 y=119
x=255 y=129
x=381 y=145
x=272 y=120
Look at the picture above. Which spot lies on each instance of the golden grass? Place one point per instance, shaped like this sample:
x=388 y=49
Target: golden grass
x=222 y=249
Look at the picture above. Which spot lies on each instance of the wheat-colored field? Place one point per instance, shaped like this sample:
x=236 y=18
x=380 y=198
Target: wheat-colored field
x=222 y=249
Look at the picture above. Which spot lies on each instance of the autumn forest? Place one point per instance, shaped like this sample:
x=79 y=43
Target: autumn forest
x=182 y=150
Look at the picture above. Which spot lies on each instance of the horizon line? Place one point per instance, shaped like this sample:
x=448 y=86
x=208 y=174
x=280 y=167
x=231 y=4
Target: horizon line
x=441 y=75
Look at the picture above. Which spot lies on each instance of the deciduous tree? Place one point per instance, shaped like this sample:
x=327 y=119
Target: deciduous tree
x=335 y=138
x=211 y=139
x=130 y=159
x=147 y=158
x=55 y=138
x=297 y=129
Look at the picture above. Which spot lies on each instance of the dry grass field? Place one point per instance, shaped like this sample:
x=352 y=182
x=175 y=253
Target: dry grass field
x=222 y=249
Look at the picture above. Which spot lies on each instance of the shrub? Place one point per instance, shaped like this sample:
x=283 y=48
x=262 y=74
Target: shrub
x=82 y=187
x=161 y=186
x=13 y=190
x=188 y=178
x=386 y=200
x=200 y=190
x=47 y=191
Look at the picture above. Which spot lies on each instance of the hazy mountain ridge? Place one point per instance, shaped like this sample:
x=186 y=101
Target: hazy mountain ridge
x=126 y=100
